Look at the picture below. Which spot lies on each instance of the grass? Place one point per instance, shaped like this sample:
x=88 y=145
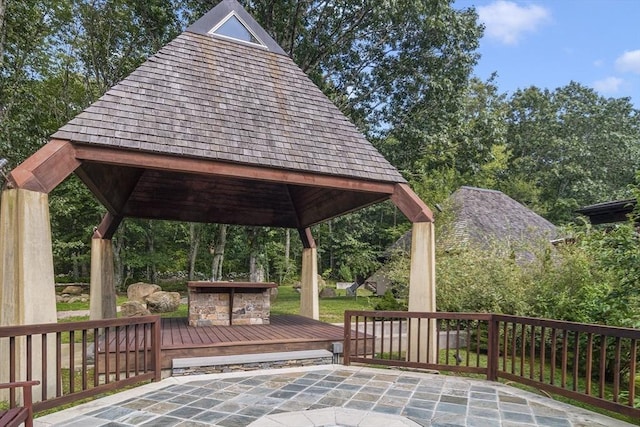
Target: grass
x=331 y=309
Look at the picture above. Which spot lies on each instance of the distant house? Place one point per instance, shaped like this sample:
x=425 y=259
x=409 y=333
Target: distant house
x=609 y=212
x=482 y=217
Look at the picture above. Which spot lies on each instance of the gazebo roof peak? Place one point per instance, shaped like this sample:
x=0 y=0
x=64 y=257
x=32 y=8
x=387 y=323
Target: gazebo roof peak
x=231 y=21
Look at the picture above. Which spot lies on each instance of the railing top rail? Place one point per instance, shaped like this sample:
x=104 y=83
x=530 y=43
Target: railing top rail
x=629 y=333
x=420 y=314
x=20 y=330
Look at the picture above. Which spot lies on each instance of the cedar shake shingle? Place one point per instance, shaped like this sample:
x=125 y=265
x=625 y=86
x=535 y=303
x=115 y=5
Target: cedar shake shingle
x=208 y=97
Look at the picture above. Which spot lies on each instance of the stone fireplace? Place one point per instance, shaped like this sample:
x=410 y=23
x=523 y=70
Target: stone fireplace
x=229 y=303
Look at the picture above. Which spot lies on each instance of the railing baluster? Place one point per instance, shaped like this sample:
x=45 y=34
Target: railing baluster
x=576 y=360
x=58 y=364
x=589 y=366
x=29 y=360
x=43 y=363
x=107 y=350
x=633 y=357
x=514 y=332
x=84 y=360
x=603 y=365
x=532 y=352
x=96 y=357
x=126 y=350
x=543 y=350
x=12 y=371
x=616 y=370
x=565 y=356
x=117 y=352
x=72 y=368
x=553 y=362
x=523 y=350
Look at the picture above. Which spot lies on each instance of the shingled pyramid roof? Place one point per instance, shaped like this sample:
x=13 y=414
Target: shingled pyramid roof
x=208 y=96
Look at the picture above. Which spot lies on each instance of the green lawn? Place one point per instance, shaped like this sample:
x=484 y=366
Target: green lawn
x=331 y=309
x=288 y=302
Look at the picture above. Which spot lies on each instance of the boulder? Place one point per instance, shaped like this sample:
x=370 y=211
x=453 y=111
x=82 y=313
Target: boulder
x=133 y=308
x=321 y=282
x=273 y=295
x=327 y=292
x=72 y=290
x=163 y=302
x=140 y=291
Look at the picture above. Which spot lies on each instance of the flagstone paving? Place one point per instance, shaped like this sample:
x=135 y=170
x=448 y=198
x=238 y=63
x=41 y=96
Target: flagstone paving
x=326 y=396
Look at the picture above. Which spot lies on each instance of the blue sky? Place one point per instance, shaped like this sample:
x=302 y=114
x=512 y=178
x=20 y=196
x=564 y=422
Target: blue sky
x=548 y=43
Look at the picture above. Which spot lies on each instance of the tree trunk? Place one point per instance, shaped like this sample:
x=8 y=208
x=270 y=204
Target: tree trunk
x=218 y=253
x=256 y=269
x=3 y=8
x=118 y=265
x=195 y=230
x=287 y=254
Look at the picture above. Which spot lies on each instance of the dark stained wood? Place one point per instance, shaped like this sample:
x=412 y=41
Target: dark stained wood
x=234 y=170
x=285 y=333
x=112 y=185
x=314 y=205
x=108 y=226
x=308 y=242
x=46 y=168
x=410 y=204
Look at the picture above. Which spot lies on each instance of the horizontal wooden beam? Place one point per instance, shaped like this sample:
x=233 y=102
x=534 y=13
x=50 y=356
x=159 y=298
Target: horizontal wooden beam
x=410 y=204
x=46 y=168
x=214 y=167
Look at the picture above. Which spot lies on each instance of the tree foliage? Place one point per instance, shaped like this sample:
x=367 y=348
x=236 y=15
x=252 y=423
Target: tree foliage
x=402 y=72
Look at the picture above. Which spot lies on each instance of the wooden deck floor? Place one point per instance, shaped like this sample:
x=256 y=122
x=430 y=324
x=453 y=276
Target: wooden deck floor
x=285 y=333
x=179 y=340
x=176 y=333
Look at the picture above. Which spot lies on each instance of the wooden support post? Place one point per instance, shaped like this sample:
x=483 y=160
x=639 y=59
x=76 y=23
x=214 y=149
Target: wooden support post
x=27 y=288
x=422 y=291
x=309 y=304
x=102 y=303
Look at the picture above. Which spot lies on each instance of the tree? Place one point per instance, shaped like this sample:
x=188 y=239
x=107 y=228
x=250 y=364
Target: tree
x=573 y=146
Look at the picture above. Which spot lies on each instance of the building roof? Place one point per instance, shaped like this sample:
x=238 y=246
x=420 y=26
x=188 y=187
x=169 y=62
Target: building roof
x=219 y=126
x=485 y=216
x=609 y=212
x=212 y=97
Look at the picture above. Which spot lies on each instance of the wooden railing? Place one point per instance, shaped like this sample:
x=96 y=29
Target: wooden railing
x=589 y=363
x=77 y=360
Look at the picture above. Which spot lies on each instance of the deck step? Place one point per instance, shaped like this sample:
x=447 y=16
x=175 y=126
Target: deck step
x=248 y=362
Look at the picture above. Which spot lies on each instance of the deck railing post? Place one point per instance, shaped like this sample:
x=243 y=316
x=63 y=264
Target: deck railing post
x=155 y=346
x=346 y=355
x=493 y=352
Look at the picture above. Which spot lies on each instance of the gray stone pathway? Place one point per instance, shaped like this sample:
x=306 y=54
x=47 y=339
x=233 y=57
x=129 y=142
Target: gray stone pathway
x=324 y=396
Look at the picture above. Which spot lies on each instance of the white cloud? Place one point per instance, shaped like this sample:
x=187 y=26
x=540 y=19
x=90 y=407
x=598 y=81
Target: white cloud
x=610 y=85
x=507 y=22
x=629 y=61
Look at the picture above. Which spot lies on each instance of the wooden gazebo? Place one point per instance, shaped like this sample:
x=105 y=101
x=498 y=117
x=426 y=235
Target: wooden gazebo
x=219 y=126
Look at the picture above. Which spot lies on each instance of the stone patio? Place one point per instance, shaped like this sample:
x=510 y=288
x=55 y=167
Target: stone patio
x=323 y=396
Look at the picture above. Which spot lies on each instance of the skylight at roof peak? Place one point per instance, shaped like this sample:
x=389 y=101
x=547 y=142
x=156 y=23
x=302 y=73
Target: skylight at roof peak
x=233 y=27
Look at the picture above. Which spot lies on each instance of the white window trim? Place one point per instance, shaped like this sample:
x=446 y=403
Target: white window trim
x=244 y=24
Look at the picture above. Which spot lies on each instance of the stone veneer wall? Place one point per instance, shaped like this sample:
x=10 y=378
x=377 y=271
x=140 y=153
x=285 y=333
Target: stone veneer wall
x=212 y=308
x=218 y=369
